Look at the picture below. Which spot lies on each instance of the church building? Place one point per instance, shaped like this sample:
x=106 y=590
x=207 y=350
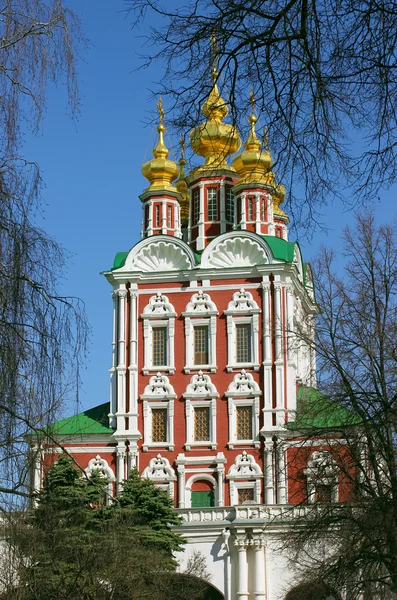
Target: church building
x=211 y=362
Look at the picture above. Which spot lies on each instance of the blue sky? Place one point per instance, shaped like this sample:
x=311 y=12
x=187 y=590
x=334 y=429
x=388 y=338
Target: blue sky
x=92 y=171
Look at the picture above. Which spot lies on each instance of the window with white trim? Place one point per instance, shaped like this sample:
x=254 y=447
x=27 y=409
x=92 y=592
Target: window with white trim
x=200 y=333
x=158 y=331
x=158 y=413
x=250 y=208
x=101 y=466
x=244 y=479
x=212 y=203
x=243 y=331
x=161 y=473
x=243 y=396
x=322 y=474
x=196 y=206
x=200 y=410
x=169 y=216
x=229 y=205
x=157 y=217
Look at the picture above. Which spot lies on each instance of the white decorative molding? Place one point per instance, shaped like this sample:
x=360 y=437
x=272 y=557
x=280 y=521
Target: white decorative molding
x=297 y=260
x=200 y=386
x=158 y=387
x=158 y=394
x=243 y=474
x=244 y=467
x=160 y=472
x=158 y=307
x=322 y=469
x=200 y=304
x=242 y=309
x=242 y=302
x=159 y=312
x=235 y=251
x=101 y=465
x=201 y=311
x=243 y=386
x=159 y=254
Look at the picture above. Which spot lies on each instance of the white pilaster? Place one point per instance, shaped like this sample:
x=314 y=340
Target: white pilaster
x=268 y=472
x=121 y=366
x=112 y=370
x=120 y=458
x=281 y=475
x=180 y=462
x=201 y=227
x=133 y=364
x=259 y=579
x=242 y=569
x=222 y=203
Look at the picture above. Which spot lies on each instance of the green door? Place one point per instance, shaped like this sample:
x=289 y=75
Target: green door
x=202 y=499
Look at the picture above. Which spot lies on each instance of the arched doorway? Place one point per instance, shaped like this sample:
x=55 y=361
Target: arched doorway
x=314 y=590
x=202 y=494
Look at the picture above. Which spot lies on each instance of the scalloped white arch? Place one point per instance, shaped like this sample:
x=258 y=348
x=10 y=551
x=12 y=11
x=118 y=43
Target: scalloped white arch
x=160 y=253
x=236 y=249
x=200 y=477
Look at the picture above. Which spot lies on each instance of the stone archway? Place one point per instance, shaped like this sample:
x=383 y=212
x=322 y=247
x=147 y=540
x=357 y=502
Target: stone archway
x=181 y=586
x=314 y=590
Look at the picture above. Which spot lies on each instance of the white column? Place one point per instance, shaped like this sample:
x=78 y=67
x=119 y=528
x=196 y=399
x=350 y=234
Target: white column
x=268 y=474
x=180 y=462
x=200 y=238
x=120 y=473
x=260 y=581
x=36 y=475
x=277 y=319
x=220 y=468
x=242 y=569
x=121 y=366
x=112 y=370
x=267 y=357
x=164 y=216
x=258 y=227
x=281 y=475
x=133 y=366
x=243 y=204
x=222 y=206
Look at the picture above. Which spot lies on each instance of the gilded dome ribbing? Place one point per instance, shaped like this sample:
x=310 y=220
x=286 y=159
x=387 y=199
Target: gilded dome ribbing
x=213 y=139
x=182 y=187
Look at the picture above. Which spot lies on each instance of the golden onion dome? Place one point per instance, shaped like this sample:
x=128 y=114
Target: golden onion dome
x=253 y=165
x=160 y=171
x=213 y=139
x=278 y=196
x=182 y=186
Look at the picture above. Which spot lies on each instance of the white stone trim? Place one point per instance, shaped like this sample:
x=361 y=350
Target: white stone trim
x=158 y=313
x=161 y=473
x=159 y=393
x=322 y=467
x=242 y=309
x=105 y=471
x=200 y=311
x=200 y=477
x=244 y=473
x=232 y=414
x=200 y=386
x=189 y=412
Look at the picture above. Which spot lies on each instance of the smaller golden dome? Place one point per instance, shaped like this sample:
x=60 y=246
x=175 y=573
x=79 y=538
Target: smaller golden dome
x=213 y=139
x=253 y=165
x=278 y=196
x=182 y=187
x=160 y=171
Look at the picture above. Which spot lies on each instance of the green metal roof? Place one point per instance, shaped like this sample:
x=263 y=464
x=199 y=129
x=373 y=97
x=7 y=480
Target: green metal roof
x=119 y=260
x=282 y=250
x=316 y=411
x=92 y=421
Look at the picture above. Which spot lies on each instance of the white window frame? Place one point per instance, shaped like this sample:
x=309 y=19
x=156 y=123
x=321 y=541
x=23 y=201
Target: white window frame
x=212 y=207
x=242 y=309
x=244 y=473
x=199 y=312
x=230 y=205
x=161 y=473
x=243 y=391
x=158 y=313
x=196 y=206
x=322 y=468
x=159 y=393
x=190 y=406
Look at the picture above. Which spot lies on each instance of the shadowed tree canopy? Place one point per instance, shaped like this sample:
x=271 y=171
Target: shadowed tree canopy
x=42 y=334
x=323 y=73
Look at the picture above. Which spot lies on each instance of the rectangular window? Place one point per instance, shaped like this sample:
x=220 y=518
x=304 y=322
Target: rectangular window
x=196 y=206
x=201 y=345
x=212 y=196
x=250 y=208
x=323 y=493
x=229 y=205
x=169 y=216
x=263 y=209
x=157 y=221
x=159 y=425
x=243 y=343
x=244 y=422
x=202 y=424
x=245 y=495
x=159 y=346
